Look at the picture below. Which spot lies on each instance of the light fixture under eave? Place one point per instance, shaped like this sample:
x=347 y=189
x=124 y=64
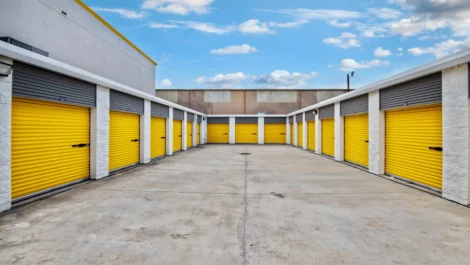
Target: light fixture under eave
x=5 y=69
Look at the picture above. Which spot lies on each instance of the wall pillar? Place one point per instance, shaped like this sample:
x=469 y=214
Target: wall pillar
x=318 y=147
x=169 y=133
x=376 y=135
x=339 y=133
x=99 y=135
x=231 y=134
x=145 y=133
x=304 y=132
x=184 y=135
x=296 y=131
x=288 y=131
x=194 y=133
x=455 y=123
x=260 y=130
x=5 y=138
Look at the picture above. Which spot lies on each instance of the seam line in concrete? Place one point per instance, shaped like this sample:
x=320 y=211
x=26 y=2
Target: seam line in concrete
x=245 y=213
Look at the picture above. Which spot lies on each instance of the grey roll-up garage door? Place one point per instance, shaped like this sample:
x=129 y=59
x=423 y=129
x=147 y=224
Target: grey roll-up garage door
x=299 y=118
x=218 y=120
x=291 y=119
x=274 y=120
x=246 y=120
x=199 y=119
x=189 y=117
x=124 y=102
x=309 y=115
x=327 y=112
x=159 y=110
x=36 y=83
x=355 y=105
x=178 y=114
x=421 y=91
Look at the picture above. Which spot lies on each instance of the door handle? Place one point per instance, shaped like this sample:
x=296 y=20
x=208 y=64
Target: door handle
x=179 y=135
x=436 y=148
x=163 y=137
x=80 y=145
x=283 y=134
x=254 y=133
x=135 y=140
x=366 y=141
x=225 y=133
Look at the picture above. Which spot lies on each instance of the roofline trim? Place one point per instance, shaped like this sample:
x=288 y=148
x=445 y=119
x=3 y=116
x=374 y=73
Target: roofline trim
x=248 y=115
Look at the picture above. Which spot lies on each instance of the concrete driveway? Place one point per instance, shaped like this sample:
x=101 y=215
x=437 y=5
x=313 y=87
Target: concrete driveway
x=211 y=205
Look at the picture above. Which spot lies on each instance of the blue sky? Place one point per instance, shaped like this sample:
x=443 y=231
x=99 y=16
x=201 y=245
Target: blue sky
x=290 y=44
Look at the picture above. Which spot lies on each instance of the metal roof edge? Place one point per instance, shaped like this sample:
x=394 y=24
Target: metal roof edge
x=248 y=115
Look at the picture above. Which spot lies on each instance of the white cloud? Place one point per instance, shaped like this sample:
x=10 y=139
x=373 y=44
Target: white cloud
x=351 y=65
x=166 y=82
x=385 y=13
x=282 y=78
x=318 y=14
x=414 y=25
x=345 y=41
x=442 y=49
x=222 y=80
x=179 y=7
x=337 y=24
x=288 y=24
x=125 y=13
x=205 y=27
x=380 y=52
x=241 y=49
x=254 y=26
x=163 y=26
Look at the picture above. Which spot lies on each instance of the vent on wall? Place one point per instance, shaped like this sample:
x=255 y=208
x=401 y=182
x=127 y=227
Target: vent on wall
x=24 y=45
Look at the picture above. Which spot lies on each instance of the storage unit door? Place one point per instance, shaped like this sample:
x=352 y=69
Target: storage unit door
x=274 y=133
x=300 y=134
x=158 y=137
x=292 y=134
x=246 y=133
x=413 y=144
x=177 y=135
x=124 y=134
x=189 y=134
x=217 y=133
x=198 y=131
x=50 y=146
x=356 y=139
x=311 y=135
x=328 y=137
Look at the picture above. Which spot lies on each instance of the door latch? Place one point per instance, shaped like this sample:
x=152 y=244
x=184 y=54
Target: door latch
x=225 y=133
x=163 y=137
x=283 y=134
x=254 y=133
x=436 y=148
x=135 y=140
x=366 y=141
x=80 y=145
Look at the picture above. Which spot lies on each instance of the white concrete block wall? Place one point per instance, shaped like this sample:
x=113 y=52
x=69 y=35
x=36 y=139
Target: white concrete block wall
x=99 y=135
x=145 y=133
x=204 y=131
x=376 y=135
x=231 y=134
x=455 y=123
x=184 y=137
x=169 y=133
x=339 y=133
x=296 y=131
x=5 y=138
x=304 y=132
x=288 y=131
x=260 y=130
x=318 y=147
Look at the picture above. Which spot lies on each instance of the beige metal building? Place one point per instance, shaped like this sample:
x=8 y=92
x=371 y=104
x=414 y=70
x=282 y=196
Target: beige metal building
x=247 y=101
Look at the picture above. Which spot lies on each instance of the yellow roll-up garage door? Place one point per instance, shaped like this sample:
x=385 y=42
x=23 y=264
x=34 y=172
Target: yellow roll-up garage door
x=292 y=134
x=328 y=137
x=356 y=139
x=124 y=135
x=274 y=133
x=218 y=133
x=300 y=134
x=198 y=130
x=177 y=135
x=246 y=133
x=189 y=135
x=413 y=144
x=50 y=146
x=158 y=137
x=311 y=135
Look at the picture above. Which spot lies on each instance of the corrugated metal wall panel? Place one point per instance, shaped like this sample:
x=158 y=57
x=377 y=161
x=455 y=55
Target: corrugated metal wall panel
x=274 y=120
x=325 y=94
x=421 y=91
x=125 y=102
x=299 y=117
x=309 y=115
x=190 y=117
x=159 y=110
x=218 y=120
x=246 y=120
x=355 y=105
x=307 y=98
x=167 y=95
x=327 y=112
x=184 y=98
x=178 y=114
x=199 y=119
x=36 y=83
x=217 y=97
x=276 y=96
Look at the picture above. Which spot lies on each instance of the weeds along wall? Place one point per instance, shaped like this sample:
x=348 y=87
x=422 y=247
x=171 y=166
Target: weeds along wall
x=61 y=125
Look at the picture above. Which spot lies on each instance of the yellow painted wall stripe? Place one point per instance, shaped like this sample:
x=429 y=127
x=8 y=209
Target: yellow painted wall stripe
x=124 y=130
x=157 y=137
x=218 y=133
x=409 y=133
x=356 y=137
x=177 y=135
x=311 y=135
x=328 y=137
x=42 y=135
x=274 y=133
x=246 y=133
x=300 y=134
x=189 y=134
x=93 y=13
